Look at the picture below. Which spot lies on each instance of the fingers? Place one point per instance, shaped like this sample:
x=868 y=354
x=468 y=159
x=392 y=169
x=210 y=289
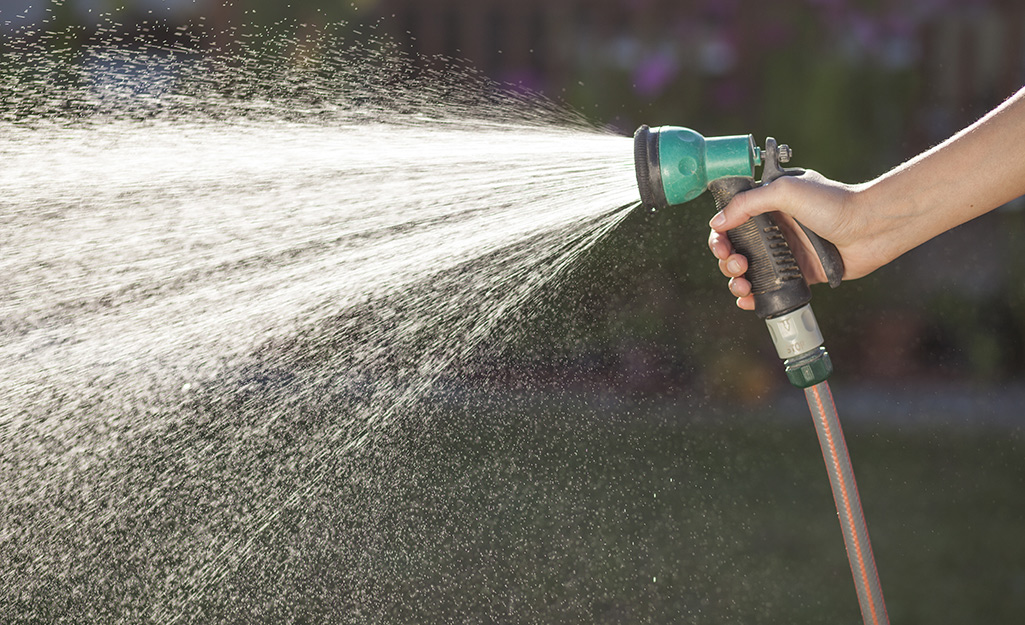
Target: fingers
x=733 y=266
x=746 y=303
x=720 y=245
x=741 y=288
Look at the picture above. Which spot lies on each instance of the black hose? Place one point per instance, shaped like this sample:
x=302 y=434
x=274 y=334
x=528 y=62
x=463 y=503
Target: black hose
x=848 y=504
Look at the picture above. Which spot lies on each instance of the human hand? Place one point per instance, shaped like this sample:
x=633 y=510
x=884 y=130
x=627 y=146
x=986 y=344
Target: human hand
x=873 y=223
x=825 y=206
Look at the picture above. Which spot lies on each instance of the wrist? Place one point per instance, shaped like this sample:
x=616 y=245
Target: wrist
x=882 y=225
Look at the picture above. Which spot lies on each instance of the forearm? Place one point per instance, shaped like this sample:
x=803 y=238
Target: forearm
x=975 y=171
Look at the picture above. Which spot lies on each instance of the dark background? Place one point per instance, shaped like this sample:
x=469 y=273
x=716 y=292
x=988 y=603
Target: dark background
x=537 y=511
x=854 y=87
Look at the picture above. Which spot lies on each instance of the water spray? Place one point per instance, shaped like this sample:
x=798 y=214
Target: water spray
x=674 y=165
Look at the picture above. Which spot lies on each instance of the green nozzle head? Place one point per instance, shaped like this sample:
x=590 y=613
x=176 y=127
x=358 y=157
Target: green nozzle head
x=674 y=165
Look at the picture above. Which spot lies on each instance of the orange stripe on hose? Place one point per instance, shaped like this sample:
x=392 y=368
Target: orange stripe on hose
x=835 y=458
x=878 y=586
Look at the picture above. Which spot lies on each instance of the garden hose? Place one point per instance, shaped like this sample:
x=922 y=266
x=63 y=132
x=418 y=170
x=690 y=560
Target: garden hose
x=675 y=165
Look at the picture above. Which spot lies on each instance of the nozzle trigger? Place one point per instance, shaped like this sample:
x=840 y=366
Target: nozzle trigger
x=829 y=256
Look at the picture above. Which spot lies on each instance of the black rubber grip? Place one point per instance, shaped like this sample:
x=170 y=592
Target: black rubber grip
x=776 y=279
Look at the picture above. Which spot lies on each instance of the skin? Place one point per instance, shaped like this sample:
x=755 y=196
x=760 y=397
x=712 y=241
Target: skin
x=978 y=169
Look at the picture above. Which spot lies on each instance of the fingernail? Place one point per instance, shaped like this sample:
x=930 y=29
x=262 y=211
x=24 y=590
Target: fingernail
x=718 y=220
x=733 y=266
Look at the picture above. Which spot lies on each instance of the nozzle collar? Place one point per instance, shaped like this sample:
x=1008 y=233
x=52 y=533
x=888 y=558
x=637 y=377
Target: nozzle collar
x=647 y=168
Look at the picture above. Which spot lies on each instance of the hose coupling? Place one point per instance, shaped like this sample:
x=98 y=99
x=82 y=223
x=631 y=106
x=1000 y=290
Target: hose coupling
x=798 y=342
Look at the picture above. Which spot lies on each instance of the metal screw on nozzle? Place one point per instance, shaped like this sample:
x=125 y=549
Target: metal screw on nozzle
x=783 y=153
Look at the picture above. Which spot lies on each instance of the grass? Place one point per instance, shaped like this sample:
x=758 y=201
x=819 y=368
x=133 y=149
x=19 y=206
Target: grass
x=564 y=511
x=537 y=508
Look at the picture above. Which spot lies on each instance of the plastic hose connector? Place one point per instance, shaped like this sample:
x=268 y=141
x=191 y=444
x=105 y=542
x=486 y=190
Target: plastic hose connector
x=795 y=333
x=810 y=368
x=776 y=280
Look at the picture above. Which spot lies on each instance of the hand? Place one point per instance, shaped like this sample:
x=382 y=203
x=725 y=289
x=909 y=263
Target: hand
x=823 y=205
x=873 y=223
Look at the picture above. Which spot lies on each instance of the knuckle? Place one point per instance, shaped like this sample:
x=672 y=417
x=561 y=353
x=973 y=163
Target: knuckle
x=740 y=204
x=783 y=188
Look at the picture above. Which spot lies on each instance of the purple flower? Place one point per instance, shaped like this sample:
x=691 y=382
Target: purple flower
x=654 y=73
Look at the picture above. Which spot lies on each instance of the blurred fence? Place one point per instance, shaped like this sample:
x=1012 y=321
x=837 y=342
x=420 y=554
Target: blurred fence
x=965 y=56
x=717 y=61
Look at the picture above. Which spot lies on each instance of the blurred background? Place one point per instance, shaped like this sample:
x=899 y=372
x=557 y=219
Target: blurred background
x=934 y=340
x=855 y=87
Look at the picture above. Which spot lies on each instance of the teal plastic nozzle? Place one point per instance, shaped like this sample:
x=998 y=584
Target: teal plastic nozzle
x=674 y=164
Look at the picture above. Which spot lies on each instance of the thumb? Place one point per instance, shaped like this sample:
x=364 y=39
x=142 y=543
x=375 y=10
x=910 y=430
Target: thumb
x=748 y=204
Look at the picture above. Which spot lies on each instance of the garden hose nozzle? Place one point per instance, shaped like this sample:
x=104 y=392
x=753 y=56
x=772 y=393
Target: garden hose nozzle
x=675 y=165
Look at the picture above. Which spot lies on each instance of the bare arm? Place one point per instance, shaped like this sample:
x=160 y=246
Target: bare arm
x=973 y=172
